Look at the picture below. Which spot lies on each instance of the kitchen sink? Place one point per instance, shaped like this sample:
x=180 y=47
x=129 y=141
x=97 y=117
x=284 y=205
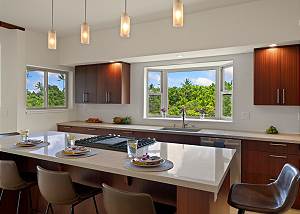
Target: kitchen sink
x=181 y=129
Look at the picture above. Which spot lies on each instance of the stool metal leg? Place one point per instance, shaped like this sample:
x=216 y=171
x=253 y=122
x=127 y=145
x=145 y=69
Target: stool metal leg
x=18 y=204
x=47 y=209
x=49 y=206
x=72 y=209
x=1 y=194
x=241 y=211
x=96 y=208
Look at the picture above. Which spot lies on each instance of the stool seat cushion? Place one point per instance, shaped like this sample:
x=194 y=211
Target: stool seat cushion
x=256 y=198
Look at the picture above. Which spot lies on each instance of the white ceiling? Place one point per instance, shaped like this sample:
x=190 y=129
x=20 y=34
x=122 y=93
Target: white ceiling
x=68 y=14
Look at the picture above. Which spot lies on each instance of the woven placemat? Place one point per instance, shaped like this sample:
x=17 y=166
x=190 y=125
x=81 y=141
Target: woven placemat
x=167 y=165
x=62 y=155
x=37 y=146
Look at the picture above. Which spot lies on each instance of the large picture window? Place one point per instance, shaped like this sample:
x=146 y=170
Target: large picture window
x=46 y=88
x=204 y=90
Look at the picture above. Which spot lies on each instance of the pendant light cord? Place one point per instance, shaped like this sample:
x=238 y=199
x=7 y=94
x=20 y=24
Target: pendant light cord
x=52 y=16
x=125 y=6
x=85 y=11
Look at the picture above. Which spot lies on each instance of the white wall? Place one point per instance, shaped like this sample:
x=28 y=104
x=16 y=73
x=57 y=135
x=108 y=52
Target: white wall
x=258 y=22
x=9 y=65
x=284 y=118
x=19 y=49
x=38 y=54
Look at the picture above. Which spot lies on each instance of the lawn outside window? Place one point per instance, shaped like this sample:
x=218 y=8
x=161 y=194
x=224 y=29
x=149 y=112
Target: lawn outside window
x=46 y=88
x=203 y=89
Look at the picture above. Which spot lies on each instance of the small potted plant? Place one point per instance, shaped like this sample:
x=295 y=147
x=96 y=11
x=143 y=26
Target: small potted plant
x=163 y=112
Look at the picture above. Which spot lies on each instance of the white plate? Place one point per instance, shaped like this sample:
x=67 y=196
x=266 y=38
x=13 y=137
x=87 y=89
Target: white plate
x=147 y=165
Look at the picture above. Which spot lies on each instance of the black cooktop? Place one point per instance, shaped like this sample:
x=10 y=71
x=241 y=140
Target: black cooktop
x=109 y=142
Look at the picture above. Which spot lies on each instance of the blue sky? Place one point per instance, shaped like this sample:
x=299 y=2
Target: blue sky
x=38 y=76
x=176 y=79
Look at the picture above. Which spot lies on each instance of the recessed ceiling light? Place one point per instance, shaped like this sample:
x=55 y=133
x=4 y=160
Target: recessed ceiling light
x=111 y=61
x=179 y=56
x=272 y=45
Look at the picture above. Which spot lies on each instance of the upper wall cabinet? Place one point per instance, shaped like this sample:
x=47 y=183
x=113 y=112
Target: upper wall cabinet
x=107 y=83
x=277 y=76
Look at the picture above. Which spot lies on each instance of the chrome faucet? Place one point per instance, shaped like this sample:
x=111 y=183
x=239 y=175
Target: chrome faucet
x=183 y=113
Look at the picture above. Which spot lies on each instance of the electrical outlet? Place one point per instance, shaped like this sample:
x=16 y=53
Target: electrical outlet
x=245 y=116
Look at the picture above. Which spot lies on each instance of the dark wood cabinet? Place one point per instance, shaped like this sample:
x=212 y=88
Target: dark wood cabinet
x=86 y=84
x=113 y=83
x=263 y=161
x=103 y=83
x=277 y=76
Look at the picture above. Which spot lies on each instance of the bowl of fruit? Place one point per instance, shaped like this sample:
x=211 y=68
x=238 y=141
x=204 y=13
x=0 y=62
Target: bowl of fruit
x=272 y=130
x=93 y=120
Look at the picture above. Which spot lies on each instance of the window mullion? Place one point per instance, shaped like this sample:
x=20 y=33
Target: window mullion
x=165 y=90
x=46 y=90
x=218 y=111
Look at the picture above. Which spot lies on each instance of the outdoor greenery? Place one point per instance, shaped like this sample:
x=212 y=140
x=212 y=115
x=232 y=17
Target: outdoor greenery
x=56 y=97
x=195 y=99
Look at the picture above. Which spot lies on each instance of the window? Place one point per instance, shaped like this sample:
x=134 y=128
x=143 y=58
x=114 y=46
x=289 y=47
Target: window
x=46 y=89
x=204 y=90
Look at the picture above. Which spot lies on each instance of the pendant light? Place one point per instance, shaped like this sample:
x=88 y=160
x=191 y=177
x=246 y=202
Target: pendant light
x=177 y=13
x=52 y=33
x=85 y=29
x=125 y=23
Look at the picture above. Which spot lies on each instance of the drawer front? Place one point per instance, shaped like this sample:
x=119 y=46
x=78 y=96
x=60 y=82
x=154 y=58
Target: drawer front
x=66 y=129
x=294 y=149
x=275 y=164
x=278 y=148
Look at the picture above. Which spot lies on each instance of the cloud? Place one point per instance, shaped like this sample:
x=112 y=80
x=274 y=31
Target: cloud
x=202 y=81
x=154 y=76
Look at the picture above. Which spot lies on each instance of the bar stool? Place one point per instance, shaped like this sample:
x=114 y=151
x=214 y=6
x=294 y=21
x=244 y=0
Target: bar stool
x=116 y=202
x=11 y=180
x=276 y=197
x=58 y=189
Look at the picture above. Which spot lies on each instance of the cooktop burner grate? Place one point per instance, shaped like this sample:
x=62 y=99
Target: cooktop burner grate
x=114 y=143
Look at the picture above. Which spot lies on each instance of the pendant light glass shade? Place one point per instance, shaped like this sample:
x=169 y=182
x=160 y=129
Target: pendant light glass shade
x=177 y=13
x=52 y=32
x=125 y=25
x=85 y=29
x=85 y=34
x=52 y=39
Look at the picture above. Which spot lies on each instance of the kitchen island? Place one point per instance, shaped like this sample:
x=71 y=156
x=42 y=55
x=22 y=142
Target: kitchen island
x=198 y=182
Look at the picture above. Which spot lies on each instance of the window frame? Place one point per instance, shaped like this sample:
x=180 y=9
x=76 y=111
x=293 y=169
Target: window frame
x=46 y=71
x=165 y=70
x=225 y=92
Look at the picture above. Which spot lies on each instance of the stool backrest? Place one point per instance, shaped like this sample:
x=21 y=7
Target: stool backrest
x=116 y=202
x=56 y=187
x=287 y=184
x=9 y=175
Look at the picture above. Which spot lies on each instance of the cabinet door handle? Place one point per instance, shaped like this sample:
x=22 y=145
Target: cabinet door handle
x=278 y=96
x=67 y=127
x=278 y=156
x=83 y=97
x=278 y=144
x=106 y=97
x=283 y=96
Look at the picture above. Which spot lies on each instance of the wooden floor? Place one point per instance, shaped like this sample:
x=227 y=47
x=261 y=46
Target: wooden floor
x=234 y=211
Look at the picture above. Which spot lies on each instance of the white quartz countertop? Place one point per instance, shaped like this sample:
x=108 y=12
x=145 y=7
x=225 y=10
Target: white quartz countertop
x=243 y=135
x=196 y=167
